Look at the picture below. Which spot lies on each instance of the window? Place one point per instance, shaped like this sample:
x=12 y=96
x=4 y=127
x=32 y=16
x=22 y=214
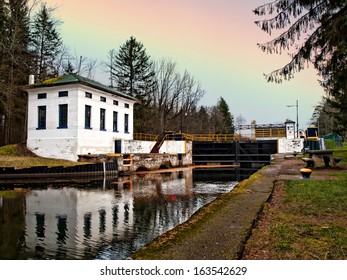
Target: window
x=62 y=228
x=102 y=99
x=63 y=115
x=115 y=121
x=87 y=227
x=126 y=123
x=42 y=96
x=63 y=93
x=87 y=116
x=102 y=119
x=126 y=105
x=115 y=102
x=40 y=225
x=41 y=117
x=89 y=95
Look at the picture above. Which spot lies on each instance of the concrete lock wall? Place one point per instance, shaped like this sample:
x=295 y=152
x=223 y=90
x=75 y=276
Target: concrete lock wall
x=290 y=145
x=144 y=147
x=157 y=161
x=54 y=148
x=136 y=146
x=170 y=156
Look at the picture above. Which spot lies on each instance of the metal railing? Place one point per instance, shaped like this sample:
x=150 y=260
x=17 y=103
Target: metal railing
x=212 y=137
x=145 y=137
x=270 y=132
x=188 y=137
x=259 y=133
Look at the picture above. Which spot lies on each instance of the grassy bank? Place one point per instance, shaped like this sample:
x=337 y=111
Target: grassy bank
x=17 y=156
x=306 y=219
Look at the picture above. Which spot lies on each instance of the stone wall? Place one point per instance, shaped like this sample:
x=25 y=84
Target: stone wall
x=154 y=162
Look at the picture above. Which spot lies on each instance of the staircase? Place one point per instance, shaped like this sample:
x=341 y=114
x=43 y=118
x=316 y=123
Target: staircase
x=158 y=144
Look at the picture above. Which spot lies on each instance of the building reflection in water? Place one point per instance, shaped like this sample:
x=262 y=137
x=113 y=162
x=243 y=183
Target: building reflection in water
x=111 y=221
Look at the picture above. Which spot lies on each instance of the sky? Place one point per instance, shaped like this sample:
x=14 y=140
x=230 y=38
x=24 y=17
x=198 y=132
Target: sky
x=215 y=41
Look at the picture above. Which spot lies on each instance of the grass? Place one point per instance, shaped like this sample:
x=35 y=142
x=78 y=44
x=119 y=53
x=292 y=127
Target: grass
x=312 y=221
x=306 y=219
x=10 y=150
x=16 y=156
x=341 y=152
x=8 y=194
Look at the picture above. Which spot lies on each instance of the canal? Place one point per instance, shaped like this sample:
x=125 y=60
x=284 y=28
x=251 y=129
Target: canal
x=106 y=219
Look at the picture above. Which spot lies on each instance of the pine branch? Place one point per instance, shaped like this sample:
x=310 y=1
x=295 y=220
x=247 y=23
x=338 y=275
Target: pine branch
x=297 y=62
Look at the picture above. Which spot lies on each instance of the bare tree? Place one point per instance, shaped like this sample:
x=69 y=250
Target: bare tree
x=175 y=95
x=84 y=66
x=91 y=66
x=240 y=120
x=61 y=60
x=79 y=64
x=110 y=66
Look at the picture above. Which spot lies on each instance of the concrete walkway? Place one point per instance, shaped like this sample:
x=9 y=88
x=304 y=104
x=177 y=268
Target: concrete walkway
x=219 y=230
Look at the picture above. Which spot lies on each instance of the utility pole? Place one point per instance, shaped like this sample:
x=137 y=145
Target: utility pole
x=297 y=117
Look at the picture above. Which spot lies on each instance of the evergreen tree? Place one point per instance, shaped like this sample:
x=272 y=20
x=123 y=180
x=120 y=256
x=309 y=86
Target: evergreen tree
x=46 y=44
x=317 y=30
x=14 y=59
x=225 y=123
x=134 y=72
x=202 y=121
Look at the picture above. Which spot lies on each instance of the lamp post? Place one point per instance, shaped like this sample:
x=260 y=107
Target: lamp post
x=185 y=114
x=297 y=117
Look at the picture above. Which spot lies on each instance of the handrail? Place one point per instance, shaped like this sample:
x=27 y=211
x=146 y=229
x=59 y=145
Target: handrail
x=145 y=137
x=270 y=132
x=259 y=133
x=214 y=137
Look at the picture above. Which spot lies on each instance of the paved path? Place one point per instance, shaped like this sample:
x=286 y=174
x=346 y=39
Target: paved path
x=223 y=234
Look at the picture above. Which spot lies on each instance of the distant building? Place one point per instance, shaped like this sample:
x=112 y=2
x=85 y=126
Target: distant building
x=72 y=115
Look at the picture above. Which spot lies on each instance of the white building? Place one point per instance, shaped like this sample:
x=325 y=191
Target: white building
x=72 y=115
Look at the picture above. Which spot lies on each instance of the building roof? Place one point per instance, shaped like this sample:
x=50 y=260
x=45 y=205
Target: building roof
x=76 y=79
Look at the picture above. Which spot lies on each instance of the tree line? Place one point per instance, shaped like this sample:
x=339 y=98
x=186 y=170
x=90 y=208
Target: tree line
x=31 y=44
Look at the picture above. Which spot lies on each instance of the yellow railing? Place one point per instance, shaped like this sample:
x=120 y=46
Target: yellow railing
x=188 y=137
x=145 y=137
x=212 y=137
x=259 y=133
x=270 y=132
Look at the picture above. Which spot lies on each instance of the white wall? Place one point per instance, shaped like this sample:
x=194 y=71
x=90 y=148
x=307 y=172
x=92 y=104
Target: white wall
x=62 y=148
x=290 y=145
x=137 y=147
x=173 y=147
x=145 y=147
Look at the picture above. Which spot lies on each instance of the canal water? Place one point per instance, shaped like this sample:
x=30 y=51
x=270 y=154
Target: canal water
x=107 y=219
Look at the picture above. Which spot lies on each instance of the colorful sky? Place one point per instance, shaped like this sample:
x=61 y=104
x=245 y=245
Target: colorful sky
x=215 y=41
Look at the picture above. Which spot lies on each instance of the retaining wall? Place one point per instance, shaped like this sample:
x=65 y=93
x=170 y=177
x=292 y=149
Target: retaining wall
x=85 y=170
x=154 y=162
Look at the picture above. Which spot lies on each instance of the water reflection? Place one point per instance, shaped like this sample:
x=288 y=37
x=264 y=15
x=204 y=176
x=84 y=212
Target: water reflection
x=103 y=220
